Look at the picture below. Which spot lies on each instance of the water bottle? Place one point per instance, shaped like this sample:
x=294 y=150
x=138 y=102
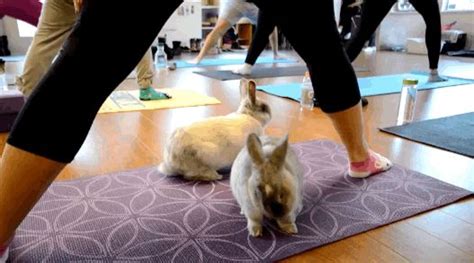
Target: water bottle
x=406 y=108
x=307 y=93
x=161 y=60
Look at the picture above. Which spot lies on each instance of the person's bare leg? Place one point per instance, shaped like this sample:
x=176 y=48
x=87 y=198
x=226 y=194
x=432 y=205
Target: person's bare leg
x=349 y=124
x=221 y=27
x=24 y=177
x=274 y=42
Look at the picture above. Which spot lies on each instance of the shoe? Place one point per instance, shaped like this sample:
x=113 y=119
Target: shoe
x=244 y=70
x=374 y=164
x=150 y=93
x=177 y=50
x=169 y=52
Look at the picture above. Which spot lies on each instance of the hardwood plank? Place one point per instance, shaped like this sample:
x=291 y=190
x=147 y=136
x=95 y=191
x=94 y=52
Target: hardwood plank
x=447 y=228
x=417 y=245
x=359 y=248
x=136 y=139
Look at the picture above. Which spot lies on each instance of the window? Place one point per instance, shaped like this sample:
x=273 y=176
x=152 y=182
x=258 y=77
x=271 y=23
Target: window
x=25 y=29
x=459 y=5
x=445 y=5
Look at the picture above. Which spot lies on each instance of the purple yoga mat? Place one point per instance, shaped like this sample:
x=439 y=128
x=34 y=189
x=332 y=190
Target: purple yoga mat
x=142 y=216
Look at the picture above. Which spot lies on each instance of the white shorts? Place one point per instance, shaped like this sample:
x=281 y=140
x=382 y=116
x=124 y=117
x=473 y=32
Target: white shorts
x=234 y=10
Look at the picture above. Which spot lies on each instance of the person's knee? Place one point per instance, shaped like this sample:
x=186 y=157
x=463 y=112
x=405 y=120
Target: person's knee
x=334 y=93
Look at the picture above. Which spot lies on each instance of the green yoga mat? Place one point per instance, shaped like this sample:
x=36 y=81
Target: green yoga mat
x=371 y=86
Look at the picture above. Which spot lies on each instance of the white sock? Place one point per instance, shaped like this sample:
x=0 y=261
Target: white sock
x=246 y=69
x=434 y=76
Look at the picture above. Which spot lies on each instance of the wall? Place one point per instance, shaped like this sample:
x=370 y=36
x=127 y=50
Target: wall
x=1 y=28
x=393 y=31
x=397 y=27
x=18 y=45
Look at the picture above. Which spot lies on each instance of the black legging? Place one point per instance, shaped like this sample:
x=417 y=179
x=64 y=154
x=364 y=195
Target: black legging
x=58 y=115
x=265 y=26
x=346 y=15
x=374 y=11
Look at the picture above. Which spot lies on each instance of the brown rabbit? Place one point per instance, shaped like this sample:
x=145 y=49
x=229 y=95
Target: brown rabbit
x=267 y=180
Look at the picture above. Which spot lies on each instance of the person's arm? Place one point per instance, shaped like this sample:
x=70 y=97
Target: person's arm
x=78 y=5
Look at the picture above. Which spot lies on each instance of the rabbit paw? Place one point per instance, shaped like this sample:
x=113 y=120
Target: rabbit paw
x=288 y=228
x=255 y=230
x=209 y=175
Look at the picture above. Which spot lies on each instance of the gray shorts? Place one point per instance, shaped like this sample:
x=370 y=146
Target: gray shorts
x=233 y=10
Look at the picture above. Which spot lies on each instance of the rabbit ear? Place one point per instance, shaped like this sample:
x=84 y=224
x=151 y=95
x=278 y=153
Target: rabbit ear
x=254 y=147
x=251 y=91
x=243 y=88
x=277 y=158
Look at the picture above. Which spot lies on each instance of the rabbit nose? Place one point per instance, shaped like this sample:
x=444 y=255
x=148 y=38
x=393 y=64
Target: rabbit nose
x=277 y=209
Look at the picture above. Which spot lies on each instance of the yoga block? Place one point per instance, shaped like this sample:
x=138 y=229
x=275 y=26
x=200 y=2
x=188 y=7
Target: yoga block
x=11 y=102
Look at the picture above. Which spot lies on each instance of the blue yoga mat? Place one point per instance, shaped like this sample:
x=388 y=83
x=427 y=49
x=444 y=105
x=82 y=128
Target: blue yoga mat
x=12 y=58
x=371 y=86
x=230 y=61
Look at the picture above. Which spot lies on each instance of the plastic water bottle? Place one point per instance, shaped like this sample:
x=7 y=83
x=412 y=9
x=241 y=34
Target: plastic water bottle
x=161 y=60
x=406 y=108
x=307 y=93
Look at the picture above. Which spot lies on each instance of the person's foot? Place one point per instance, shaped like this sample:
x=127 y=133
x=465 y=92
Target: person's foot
x=246 y=69
x=374 y=164
x=434 y=76
x=150 y=93
x=195 y=61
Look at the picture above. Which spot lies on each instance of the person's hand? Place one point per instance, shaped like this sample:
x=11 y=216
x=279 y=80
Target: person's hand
x=77 y=5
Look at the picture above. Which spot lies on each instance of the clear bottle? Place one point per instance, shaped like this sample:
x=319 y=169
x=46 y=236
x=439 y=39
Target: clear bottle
x=406 y=108
x=307 y=93
x=161 y=60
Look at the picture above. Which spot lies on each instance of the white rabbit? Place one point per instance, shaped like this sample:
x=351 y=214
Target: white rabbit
x=199 y=150
x=267 y=180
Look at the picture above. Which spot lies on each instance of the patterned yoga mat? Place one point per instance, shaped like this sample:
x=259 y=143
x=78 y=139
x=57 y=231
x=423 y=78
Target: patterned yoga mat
x=143 y=216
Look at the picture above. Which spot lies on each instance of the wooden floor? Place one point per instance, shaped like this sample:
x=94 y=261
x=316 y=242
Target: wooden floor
x=131 y=140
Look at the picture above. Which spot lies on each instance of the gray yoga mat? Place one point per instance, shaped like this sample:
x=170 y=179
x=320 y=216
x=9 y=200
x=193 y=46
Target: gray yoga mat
x=140 y=215
x=454 y=133
x=259 y=73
